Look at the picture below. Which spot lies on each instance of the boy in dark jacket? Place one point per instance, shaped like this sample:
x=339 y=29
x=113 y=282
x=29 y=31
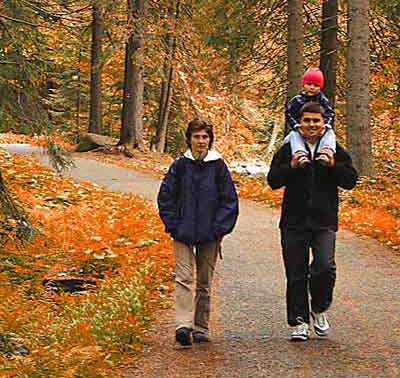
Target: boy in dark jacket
x=312 y=82
x=198 y=204
x=309 y=219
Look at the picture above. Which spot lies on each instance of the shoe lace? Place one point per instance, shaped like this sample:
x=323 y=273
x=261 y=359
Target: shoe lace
x=321 y=320
x=302 y=328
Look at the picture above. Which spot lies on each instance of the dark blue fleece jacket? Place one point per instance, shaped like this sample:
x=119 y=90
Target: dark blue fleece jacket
x=197 y=200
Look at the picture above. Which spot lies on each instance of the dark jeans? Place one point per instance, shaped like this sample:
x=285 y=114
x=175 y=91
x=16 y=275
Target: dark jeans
x=318 y=279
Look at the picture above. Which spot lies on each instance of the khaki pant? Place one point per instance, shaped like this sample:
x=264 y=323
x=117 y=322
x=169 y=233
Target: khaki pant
x=193 y=307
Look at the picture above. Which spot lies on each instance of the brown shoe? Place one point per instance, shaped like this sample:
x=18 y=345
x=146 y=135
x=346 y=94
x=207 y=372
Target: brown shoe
x=201 y=337
x=183 y=337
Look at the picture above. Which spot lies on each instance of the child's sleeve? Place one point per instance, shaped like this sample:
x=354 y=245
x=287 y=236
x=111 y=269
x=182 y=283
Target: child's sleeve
x=292 y=113
x=329 y=114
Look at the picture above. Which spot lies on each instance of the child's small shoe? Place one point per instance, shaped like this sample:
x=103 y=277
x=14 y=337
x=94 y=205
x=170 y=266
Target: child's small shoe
x=304 y=161
x=323 y=159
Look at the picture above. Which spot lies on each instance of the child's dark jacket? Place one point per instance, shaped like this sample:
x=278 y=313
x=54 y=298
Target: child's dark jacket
x=311 y=194
x=197 y=200
x=293 y=109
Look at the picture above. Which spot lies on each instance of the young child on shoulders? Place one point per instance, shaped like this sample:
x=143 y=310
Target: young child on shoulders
x=312 y=84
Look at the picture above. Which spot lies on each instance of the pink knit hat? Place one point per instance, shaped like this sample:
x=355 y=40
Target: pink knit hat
x=313 y=76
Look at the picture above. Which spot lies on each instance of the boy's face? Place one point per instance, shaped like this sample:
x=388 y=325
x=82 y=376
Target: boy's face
x=311 y=89
x=199 y=142
x=311 y=126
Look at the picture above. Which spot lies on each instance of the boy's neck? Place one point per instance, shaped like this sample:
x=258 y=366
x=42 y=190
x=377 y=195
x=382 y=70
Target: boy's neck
x=199 y=156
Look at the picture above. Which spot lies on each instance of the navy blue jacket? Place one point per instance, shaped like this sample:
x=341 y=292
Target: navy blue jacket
x=311 y=198
x=197 y=200
x=292 y=111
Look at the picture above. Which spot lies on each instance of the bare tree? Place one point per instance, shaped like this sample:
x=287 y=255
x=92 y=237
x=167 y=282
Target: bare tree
x=357 y=100
x=295 y=53
x=159 y=141
x=328 y=57
x=95 y=117
x=132 y=107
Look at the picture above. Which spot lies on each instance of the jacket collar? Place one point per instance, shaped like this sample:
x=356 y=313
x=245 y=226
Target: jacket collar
x=211 y=155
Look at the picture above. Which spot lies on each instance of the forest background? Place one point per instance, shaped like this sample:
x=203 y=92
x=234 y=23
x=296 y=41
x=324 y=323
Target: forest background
x=138 y=71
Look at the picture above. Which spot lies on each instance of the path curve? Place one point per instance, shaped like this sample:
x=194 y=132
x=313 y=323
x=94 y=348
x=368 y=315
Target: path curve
x=249 y=326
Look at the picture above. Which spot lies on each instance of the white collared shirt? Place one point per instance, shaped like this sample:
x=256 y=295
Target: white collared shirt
x=312 y=148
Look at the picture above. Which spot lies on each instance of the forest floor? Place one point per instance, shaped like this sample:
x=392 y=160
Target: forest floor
x=248 y=327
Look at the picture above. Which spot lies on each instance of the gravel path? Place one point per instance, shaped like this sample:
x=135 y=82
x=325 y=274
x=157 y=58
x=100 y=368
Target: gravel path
x=365 y=339
x=250 y=336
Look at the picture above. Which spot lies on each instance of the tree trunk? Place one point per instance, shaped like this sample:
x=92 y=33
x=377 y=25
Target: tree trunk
x=295 y=47
x=137 y=100
x=359 y=141
x=165 y=105
x=127 y=133
x=328 y=58
x=166 y=85
x=78 y=97
x=95 y=117
x=132 y=107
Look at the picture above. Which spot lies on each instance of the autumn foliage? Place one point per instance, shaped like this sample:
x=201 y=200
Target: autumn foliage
x=114 y=243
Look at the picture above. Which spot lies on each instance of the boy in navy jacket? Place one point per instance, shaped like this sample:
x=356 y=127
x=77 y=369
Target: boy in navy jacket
x=198 y=204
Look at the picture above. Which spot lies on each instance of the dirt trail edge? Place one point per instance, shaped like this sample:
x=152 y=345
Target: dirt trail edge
x=250 y=336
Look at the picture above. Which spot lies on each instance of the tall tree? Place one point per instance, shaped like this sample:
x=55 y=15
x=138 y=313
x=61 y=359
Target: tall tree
x=357 y=99
x=23 y=55
x=295 y=54
x=167 y=80
x=132 y=107
x=328 y=57
x=95 y=116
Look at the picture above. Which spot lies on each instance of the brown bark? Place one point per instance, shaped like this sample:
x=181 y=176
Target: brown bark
x=295 y=53
x=359 y=141
x=78 y=98
x=132 y=107
x=127 y=132
x=95 y=116
x=328 y=57
x=166 y=85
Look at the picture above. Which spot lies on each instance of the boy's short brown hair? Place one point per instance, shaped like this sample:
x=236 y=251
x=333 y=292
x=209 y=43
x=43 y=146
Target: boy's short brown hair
x=196 y=125
x=311 y=107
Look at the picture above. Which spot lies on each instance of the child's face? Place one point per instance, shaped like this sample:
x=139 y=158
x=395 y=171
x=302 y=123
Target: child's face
x=311 y=89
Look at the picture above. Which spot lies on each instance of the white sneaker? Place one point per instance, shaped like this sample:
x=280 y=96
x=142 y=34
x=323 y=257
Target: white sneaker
x=301 y=332
x=321 y=325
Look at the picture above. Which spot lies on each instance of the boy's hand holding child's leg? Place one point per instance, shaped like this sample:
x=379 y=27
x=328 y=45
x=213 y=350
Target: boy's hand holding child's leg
x=300 y=156
x=326 y=157
x=300 y=159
